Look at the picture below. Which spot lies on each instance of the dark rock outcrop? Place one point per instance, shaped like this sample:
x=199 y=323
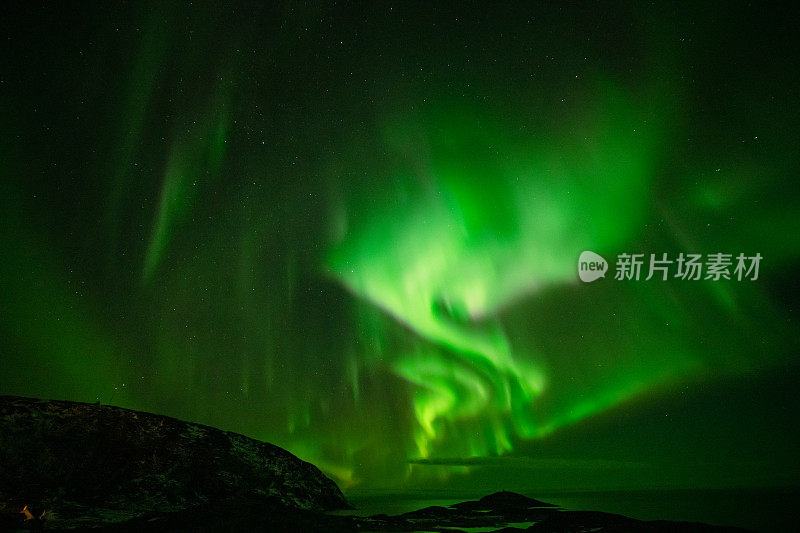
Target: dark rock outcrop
x=502 y=509
x=67 y=466
x=502 y=500
x=90 y=465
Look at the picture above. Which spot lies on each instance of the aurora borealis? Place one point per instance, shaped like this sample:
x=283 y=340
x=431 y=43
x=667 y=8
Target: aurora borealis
x=353 y=231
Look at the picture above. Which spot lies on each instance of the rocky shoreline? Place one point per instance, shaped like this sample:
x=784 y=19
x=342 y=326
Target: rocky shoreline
x=69 y=466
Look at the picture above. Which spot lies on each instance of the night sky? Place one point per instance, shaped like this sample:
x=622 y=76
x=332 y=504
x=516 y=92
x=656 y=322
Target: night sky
x=353 y=231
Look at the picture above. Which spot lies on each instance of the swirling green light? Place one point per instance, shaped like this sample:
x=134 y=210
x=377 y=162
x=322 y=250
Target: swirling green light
x=498 y=216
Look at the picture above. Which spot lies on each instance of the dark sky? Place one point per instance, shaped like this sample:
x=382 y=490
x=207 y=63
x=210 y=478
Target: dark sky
x=353 y=231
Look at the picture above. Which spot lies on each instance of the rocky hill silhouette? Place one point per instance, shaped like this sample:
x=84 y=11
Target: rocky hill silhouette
x=67 y=466
x=88 y=465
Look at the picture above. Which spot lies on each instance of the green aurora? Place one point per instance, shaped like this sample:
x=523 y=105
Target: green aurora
x=353 y=232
